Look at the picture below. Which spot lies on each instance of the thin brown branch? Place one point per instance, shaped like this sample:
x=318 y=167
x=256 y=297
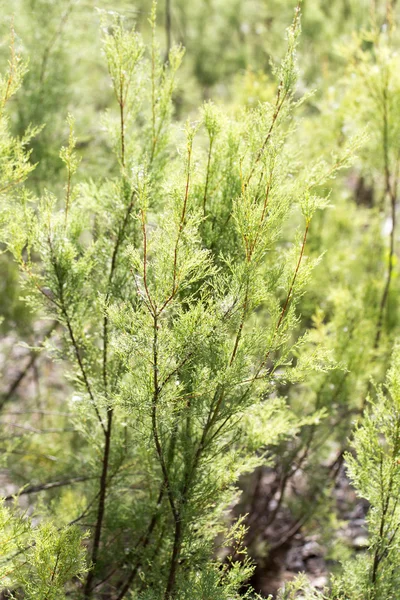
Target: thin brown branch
x=101 y=507
x=50 y=485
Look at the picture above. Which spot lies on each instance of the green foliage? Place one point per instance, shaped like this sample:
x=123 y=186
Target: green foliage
x=175 y=335
x=374 y=471
x=14 y=531
x=38 y=560
x=15 y=159
x=373 y=467
x=300 y=588
x=55 y=558
x=220 y=292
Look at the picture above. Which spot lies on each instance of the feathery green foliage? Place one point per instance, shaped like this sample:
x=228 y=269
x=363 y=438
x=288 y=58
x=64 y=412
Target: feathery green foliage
x=217 y=300
x=374 y=471
x=167 y=295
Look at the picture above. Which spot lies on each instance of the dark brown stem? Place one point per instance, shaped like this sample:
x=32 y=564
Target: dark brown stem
x=278 y=107
x=160 y=454
x=212 y=417
x=156 y=436
x=74 y=342
x=169 y=590
x=288 y=297
x=22 y=374
x=53 y=574
x=385 y=505
x=241 y=324
x=152 y=307
x=143 y=543
x=117 y=246
x=251 y=248
x=145 y=539
x=50 y=485
x=82 y=368
x=107 y=445
x=175 y=513
x=101 y=508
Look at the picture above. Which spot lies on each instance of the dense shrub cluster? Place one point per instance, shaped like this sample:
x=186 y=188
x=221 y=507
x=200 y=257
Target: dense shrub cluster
x=199 y=299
